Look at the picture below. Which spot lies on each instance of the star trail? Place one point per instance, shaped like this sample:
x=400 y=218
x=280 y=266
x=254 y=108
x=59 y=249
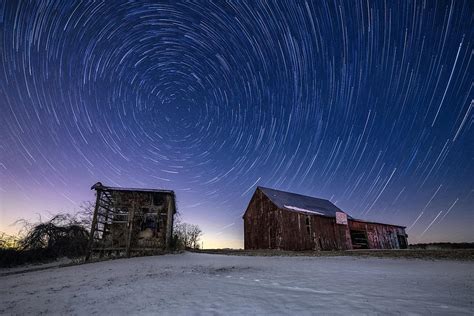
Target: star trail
x=366 y=103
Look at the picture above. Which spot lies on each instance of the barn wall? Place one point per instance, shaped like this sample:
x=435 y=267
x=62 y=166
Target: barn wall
x=142 y=211
x=311 y=232
x=260 y=225
x=379 y=236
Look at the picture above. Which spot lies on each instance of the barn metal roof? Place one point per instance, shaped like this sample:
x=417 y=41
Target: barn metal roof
x=100 y=186
x=378 y=223
x=301 y=203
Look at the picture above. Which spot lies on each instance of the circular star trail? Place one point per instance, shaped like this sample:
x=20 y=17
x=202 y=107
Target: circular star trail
x=369 y=104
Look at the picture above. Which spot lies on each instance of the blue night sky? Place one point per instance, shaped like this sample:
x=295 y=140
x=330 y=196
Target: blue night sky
x=366 y=103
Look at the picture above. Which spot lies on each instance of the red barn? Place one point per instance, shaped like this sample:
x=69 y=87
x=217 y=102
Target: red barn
x=282 y=220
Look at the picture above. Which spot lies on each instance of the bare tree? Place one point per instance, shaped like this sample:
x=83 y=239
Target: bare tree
x=194 y=233
x=187 y=235
x=63 y=234
x=84 y=216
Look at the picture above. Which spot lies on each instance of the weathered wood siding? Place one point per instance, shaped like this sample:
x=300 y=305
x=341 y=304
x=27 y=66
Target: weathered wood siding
x=138 y=204
x=312 y=232
x=260 y=225
x=379 y=236
x=268 y=227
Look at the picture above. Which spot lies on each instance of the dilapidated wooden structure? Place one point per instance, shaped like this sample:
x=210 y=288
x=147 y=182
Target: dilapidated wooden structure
x=128 y=220
x=282 y=220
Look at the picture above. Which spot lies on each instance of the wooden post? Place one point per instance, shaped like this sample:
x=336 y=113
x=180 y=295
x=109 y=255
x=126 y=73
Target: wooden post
x=130 y=226
x=94 y=224
x=169 y=221
x=106 y=224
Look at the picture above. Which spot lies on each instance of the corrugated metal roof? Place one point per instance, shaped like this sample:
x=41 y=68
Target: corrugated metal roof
x=378 y=223
x=301 y=203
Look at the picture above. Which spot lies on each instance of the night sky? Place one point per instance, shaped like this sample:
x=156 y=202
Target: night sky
x=368 y=104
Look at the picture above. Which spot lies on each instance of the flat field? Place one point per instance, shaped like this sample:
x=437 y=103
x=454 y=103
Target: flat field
x=203 y=284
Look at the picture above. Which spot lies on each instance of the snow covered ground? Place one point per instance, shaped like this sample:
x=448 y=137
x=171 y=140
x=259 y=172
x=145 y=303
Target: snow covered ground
x=205 y=284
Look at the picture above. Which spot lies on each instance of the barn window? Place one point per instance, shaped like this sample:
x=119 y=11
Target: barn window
x=308 y=226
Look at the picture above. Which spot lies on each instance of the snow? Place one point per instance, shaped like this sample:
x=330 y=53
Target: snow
x=38 y=266
x=299 y=209
x=192 y=283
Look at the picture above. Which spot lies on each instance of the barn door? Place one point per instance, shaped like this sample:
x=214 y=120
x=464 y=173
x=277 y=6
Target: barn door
x=402 y=241
x=359 y=239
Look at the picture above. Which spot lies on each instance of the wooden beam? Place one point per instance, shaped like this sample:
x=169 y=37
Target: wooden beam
x=169 y=221
x=93 y=227
x=106 y=203
x=130 y=226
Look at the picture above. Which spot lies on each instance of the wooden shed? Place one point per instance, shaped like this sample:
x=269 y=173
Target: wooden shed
x=282 y=220
x=129 y=220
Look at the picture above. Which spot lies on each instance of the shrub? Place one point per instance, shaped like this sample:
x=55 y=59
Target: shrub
x=64 y=235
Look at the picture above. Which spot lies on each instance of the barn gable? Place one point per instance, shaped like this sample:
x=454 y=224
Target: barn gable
x=260 y=222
